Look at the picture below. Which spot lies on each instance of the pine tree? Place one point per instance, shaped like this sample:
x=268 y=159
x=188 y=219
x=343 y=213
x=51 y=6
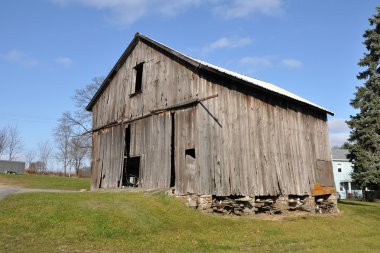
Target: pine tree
x=364 y=148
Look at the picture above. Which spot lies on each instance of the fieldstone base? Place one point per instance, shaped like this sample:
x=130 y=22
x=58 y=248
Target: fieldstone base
x=250 y=205
x=326 y=204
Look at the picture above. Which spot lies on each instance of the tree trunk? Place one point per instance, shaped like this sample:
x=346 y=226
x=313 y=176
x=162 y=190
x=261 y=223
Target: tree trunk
x=363 y=193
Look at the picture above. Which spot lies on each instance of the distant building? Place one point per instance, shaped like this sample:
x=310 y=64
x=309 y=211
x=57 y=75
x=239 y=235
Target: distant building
x=342 y=168
x=12 y=166
x=37 y=166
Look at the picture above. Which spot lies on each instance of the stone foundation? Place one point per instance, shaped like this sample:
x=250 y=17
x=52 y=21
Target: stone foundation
x=249 y=205
x=326 y=204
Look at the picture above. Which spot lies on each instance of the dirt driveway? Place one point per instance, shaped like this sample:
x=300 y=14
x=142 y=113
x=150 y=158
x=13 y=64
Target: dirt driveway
x=5 y=190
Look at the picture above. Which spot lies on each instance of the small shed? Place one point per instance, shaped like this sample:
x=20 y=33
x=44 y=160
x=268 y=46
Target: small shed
x=12 y=167
x=163 y=119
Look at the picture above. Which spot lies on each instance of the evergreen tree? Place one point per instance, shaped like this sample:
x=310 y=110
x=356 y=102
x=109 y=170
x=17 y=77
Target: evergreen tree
x=345 y=145
x=364 y=148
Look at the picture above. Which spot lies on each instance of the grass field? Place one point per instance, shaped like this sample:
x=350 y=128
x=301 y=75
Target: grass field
x=134 y=222
x=45 y=182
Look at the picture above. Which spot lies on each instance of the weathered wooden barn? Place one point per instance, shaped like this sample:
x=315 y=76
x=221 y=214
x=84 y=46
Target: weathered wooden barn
x=163 y=119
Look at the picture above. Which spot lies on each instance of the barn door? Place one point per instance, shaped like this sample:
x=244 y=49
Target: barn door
x=147 y=150
x=107 y=157
x=186 y=164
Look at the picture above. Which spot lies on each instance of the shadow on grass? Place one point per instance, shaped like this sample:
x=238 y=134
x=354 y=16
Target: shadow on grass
x=354 y=203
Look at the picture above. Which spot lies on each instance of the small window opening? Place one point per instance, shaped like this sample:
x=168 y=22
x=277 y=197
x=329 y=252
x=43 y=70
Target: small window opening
x=339 y=169
x=139 y=73
x=190 y=152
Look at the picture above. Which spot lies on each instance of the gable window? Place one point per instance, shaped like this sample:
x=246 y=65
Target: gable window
x=139 y=73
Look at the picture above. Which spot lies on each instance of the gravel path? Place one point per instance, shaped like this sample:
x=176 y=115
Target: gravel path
x=5 y=190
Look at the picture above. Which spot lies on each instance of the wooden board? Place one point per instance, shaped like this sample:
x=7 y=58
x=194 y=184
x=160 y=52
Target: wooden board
x=319 y=190
x=324 y=173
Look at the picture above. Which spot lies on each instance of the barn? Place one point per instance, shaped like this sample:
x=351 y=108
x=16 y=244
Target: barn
x=162 y=119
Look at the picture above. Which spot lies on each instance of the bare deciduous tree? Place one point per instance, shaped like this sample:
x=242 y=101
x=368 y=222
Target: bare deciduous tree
x=63 y=135
x=4 y=141
x=14 y=142
x=73 y=145
x=81 y=119
x=29 y=157
x=79 y=151
x=44 y=154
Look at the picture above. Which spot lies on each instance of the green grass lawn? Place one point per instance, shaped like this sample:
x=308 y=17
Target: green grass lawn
x=134 y=222
x=45 y=182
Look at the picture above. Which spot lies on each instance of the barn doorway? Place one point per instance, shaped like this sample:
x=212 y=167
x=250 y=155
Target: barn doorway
x=131 y=167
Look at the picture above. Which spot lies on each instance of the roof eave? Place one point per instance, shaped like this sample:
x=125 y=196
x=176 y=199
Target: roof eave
x=186 y=60
x=113 y=71
x=209 y=69
x=138 y=37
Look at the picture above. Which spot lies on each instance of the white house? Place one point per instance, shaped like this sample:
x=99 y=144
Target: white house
x=342 y=169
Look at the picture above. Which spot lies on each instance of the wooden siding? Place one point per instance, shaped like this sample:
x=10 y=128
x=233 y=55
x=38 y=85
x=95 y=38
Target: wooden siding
x=246 y=142
x=151 y=139
x=187 y=169
x=165 y=82
x=255 y=144
x=107 y=158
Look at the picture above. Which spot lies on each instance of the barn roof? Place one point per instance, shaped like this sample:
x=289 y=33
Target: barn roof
x=256 y=83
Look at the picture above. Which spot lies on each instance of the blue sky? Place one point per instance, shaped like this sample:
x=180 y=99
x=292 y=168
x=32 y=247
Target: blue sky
x=50 y=48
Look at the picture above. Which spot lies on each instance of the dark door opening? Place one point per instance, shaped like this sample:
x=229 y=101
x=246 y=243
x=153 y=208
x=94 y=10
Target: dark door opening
x=131 y=168
x=172 y=152
x=133 y=171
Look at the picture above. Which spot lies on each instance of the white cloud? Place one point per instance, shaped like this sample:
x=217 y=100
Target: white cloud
x=338 y=131
x=338 y=126
x=258 y=62
x=243 y=8
x=119 y=11
x=174 y=7
x=291 y=63
x=268 y=61
x=19 y=57
x=226 y=43
x=337 y=140
x=126 y=12
x=65 y=61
